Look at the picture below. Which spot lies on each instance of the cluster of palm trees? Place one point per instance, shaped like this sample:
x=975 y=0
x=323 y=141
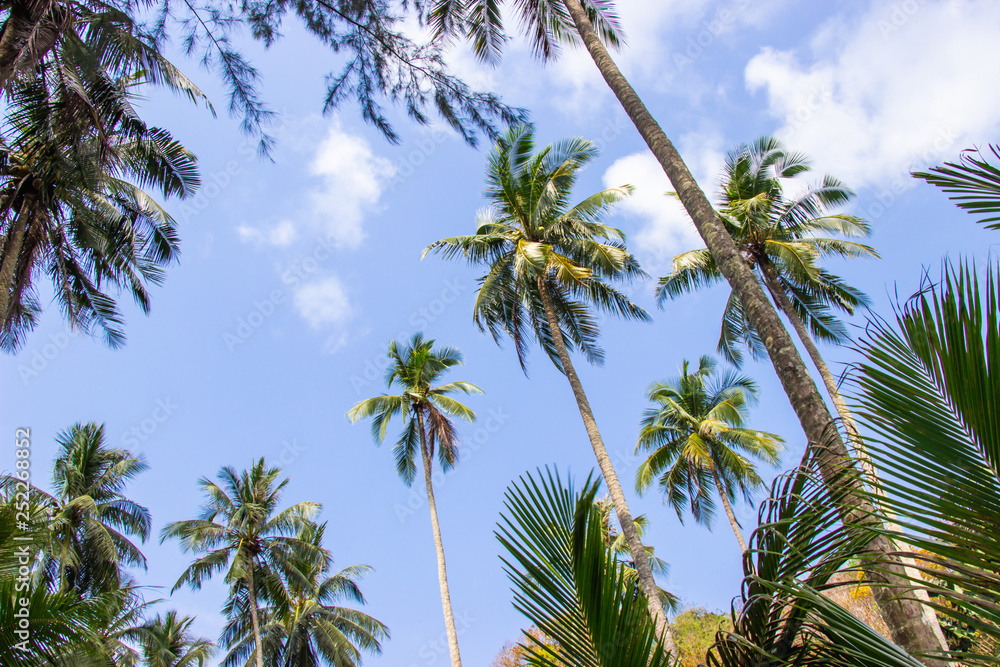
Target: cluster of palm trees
x=286 y=604
x=550 y=265
x=76 y=161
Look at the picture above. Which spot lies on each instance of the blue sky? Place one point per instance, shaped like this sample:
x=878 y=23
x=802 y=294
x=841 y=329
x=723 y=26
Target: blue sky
x=295 y=275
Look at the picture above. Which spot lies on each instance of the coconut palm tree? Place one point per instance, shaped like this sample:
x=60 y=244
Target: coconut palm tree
x=74 y=169
x=305 y=624
x=166 y=641
x=594 y=23
x=783 y=239
x=549 y=265
x=428 y=411
x=700 y=447
x=92 y=520
x=241 y=531
x=927 y=389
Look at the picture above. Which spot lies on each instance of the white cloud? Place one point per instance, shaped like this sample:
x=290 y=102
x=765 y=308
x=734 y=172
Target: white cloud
x=903 y=86
x=282 y=234
x=667 y=230
x=353 y=179
x=323 y=303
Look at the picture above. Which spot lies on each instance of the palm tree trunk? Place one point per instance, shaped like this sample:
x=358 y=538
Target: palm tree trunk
x=639 y=557
x=860 y=451
x=449 y=618
x=784 y=303
x=729 y=511
x=11 y=253
x=255 y=621
x=914 y=631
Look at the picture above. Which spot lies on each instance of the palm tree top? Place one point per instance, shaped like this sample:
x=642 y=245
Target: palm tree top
x=86 y=467
x=239 y=519
x=784 y=238
x=167 y=641
x=696 y=431
x=414 y=368
x=532 y=239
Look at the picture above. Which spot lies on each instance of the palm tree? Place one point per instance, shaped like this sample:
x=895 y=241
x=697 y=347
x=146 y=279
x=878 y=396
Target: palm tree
x=782 y=240
x=594 y=23
x=73 y=173
x=305 y=626
x=973 y=183
x=166 y=641
x=549 y=264
x=699 y=444
x=91 y=518
x=240 y=530
x=428 y=411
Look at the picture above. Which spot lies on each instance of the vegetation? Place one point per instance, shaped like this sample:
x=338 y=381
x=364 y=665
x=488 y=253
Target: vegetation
x=877 y=549
x=699 y=445
x=241 y=531
x=428 y=412
x=549 y=264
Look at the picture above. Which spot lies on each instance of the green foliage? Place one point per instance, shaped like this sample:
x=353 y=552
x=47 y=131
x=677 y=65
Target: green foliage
x=428 y=410
x=695 y=431
x=927 y=388
x=779 y=235
x=242 y=532
x=973 y=183
x=695 y=631
x=569 y=583
x=535 y=245
x=303 y=622
x=76 y=162
x=379 y=62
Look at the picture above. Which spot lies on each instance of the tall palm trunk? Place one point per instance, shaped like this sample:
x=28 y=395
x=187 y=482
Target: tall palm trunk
x=784 y=303
x=11 y=254
x=632 y=538
x=254 y=620
x=914 y=631
x=449 y=617
x=729 y=510
x=860 y=451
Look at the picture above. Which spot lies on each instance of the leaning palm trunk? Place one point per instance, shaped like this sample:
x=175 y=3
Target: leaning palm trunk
x=860 y=451
x=639 y=557
x=784 y=303
x=729 y=511
x=255 y=621
x=914 y=631
x=449 y=617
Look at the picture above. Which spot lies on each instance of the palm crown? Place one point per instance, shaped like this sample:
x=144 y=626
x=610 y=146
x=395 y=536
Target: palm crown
x=240 y=525
x=75 y=163
x=92 y=519
x=695 y=431
x=305 y=622
x=532 y=240
x=427 y=409
x=781 y=236
x=167 y=641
